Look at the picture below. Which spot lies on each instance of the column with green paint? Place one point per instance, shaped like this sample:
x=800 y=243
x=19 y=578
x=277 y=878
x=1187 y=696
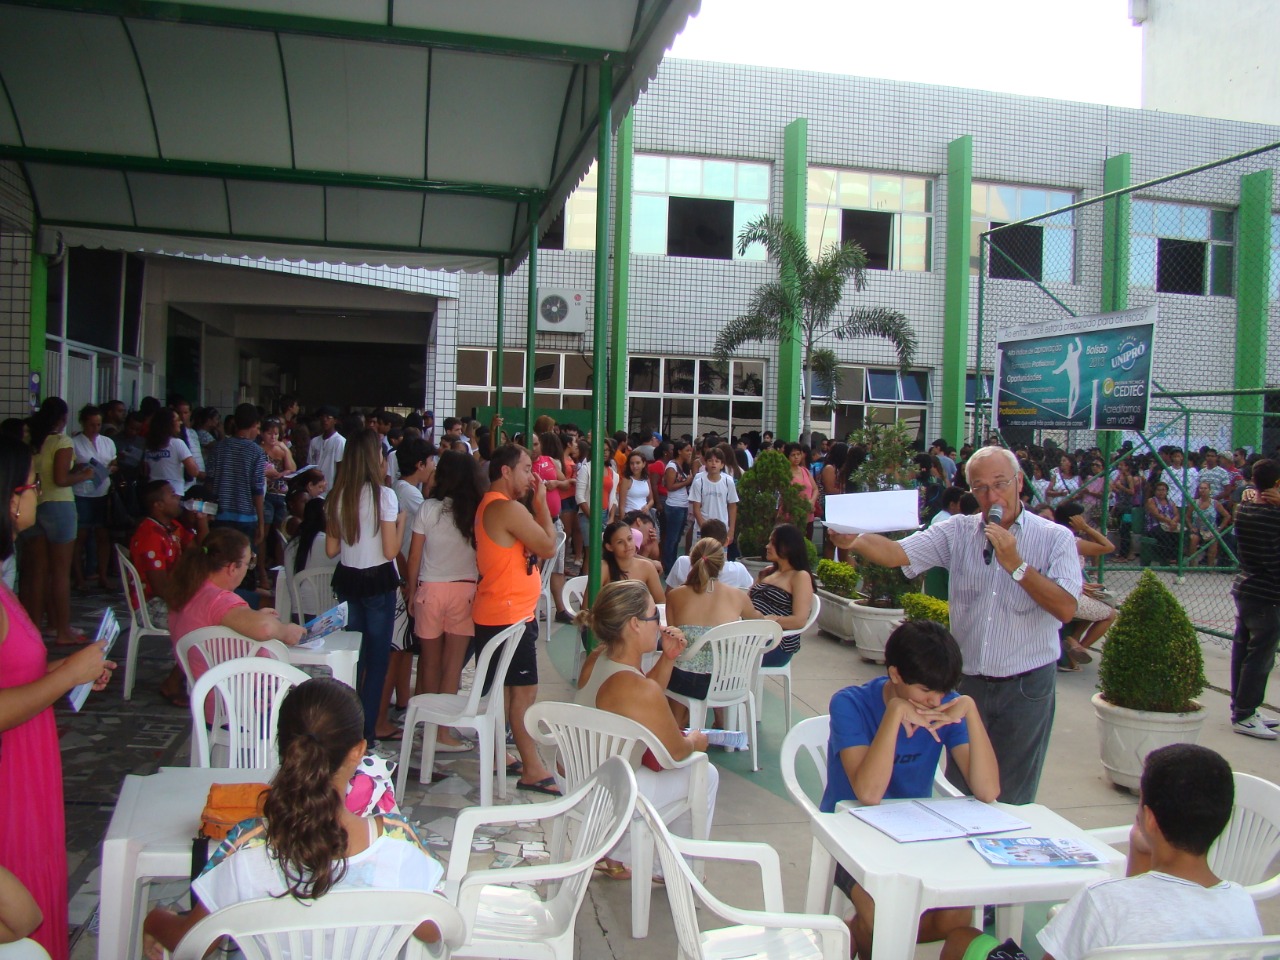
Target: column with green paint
x=531 y=334
x=600 y=326
x=1115 y=289
x=955 y=309
x=618 y=359
x=795 y=184
x=1253 y=259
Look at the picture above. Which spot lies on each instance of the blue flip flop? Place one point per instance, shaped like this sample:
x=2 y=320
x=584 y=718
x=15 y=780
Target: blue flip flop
x=546 y=786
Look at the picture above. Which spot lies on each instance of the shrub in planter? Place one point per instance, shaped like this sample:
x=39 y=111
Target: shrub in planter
x=885 y=586
x=919 y=606
x=1152 y=659
x=839 y=578
x=762 y=491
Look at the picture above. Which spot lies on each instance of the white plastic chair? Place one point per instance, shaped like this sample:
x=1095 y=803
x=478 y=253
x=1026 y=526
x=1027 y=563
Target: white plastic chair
x=758 y=933
x=1248 y=845
x=1253 y=948
x=473 y=710
x=736 y=650
x=313 y=592
x=341 y=924
x=23 y=950
x=284 y=583
x=140 y=624
x=504 y=915
x=571 y=598
x=251 y=690
x=584 y=738
x=546 y=606
x=783 y=672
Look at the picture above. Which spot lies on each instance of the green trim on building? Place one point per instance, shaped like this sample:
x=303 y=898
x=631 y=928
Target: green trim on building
x=1115 y=234
x=600 y=328
x=955 y=310
x=531 y=325
x=500 y=354
x=39 y=287
x=795 y=183
x=1253 y=294
x=618 y=358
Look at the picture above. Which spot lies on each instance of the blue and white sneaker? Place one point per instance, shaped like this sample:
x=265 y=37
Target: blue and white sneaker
x=1254 y=727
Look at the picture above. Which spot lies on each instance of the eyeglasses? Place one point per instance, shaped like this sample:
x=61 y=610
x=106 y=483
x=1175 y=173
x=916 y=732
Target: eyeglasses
x=982 y=489
x=651 y=619
x=18 y=491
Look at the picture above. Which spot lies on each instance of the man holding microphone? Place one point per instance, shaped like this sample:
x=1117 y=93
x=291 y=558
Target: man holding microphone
x=1015 y=579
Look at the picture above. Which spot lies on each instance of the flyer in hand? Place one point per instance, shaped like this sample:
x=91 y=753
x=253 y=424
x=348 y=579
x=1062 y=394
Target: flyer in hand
x=1035 y=852
x=331 y=621
x=108 y=630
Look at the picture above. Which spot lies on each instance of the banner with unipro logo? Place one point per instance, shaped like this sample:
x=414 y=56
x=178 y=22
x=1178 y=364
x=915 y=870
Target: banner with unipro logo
x=1083 y=373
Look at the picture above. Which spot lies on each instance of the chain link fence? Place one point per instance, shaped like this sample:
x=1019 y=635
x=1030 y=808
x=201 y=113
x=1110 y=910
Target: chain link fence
x=1204 y=246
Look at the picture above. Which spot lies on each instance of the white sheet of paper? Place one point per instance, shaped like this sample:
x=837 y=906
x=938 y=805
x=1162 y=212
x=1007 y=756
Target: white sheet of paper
x=883 y=511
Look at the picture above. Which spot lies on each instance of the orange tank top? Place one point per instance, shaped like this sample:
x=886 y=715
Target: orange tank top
x=508 y=589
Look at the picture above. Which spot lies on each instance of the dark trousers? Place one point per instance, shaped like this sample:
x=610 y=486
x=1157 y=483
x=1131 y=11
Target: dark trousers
x=1018 y=715
x=673 y=536
x=1253 y=654
x=373 y=618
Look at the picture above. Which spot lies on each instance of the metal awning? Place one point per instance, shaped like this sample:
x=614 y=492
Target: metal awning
x=400 y=132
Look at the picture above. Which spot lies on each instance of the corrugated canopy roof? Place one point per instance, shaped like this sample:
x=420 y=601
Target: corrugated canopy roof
x=398 y=132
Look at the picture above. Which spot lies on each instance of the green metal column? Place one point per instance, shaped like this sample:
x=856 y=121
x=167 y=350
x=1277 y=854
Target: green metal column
x=600 y=326
x=955 y=309
x=1115 y=293
x=618 y=359
x=531 y=334
x=500 y=357
x=1253 y=253
x=39 y=314
x=795 y=185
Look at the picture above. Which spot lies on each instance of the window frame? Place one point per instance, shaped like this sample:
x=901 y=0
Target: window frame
x=1214 y=247
x=1053 y=226
x=818 y=207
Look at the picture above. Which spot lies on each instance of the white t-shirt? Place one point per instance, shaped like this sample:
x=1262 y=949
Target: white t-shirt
x=410 y=499
x=677 y=498
x=193 y=444
x=713 y=499
x=734 y=574
x=327 y=454
x=366 y=552
x=102 y=449
x=1174 y=475
x=393 y=861
x=1149 y=908
x=446 y=556
x=166 y=464
x=316 y=559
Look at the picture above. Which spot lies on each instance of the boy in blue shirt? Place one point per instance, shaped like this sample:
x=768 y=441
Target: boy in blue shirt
x=886 y=739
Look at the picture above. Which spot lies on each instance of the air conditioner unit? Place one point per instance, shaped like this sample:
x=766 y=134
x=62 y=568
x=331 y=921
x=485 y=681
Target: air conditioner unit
x=562 y=311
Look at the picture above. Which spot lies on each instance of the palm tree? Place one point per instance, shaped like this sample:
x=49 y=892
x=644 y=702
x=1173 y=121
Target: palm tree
x=810 y=291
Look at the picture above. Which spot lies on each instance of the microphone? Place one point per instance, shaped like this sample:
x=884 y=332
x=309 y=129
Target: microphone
x=994 y=515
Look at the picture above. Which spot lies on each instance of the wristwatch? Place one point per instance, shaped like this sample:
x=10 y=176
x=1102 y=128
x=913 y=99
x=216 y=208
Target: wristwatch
x=1019 y=572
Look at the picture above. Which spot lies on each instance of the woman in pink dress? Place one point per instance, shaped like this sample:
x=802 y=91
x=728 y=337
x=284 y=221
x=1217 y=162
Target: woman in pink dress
x=30 y=761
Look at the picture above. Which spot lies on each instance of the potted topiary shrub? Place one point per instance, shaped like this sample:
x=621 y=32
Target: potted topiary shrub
x=838 y=588
x=920 y=606
x=764 y=492
x=1152 y=670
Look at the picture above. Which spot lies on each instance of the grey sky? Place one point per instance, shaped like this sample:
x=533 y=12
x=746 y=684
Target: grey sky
x=1066 y=49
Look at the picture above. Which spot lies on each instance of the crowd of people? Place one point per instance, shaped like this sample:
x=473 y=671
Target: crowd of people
x=435 y=540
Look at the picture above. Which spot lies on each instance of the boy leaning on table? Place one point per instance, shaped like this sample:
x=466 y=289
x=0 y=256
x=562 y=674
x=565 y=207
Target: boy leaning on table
x=886 y=738
x=1170 y=894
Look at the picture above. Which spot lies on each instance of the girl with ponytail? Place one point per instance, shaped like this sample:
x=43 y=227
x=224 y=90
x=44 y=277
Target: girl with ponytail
x=307 y=841
x=702 y=603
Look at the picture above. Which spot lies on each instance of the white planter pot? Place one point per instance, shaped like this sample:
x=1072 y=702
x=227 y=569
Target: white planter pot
x=834 y=617
x=754 y=565
x=871 y=629
x=1125 y=737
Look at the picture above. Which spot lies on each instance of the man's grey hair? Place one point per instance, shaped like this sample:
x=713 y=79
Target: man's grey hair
x=986 y=453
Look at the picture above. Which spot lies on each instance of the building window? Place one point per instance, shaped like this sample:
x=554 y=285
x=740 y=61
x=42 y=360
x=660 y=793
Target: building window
x=889 y=215
x=871 y=394
x=1275 y=256
x=1043 y=251
x=679 y=395
x=561 y=381
x=1181 y=248
x=694 y=207
x=575 y=228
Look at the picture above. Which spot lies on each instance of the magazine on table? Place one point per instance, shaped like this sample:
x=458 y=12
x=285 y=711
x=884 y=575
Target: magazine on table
x=914 y=820
x=108 y=630
x=331 y=621
x=1035 y=852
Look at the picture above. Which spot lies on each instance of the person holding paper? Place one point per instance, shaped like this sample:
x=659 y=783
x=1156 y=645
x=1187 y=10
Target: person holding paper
x=1015 y=579
x=1170 y=893
x=886 y=739
x=30 y=762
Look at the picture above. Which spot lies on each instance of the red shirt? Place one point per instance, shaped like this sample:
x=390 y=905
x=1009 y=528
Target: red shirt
x=658 y=471
x=545 y=468
x=156 y=547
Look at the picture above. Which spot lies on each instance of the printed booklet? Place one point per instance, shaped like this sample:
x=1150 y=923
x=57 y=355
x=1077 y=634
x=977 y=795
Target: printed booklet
x=914 y=820
x=1035 y=852
x=108 y=630
x=331 y=621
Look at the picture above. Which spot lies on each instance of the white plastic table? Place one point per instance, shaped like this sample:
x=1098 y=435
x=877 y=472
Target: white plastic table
x=150 y=836
x=906 y=879
x=340 y=653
